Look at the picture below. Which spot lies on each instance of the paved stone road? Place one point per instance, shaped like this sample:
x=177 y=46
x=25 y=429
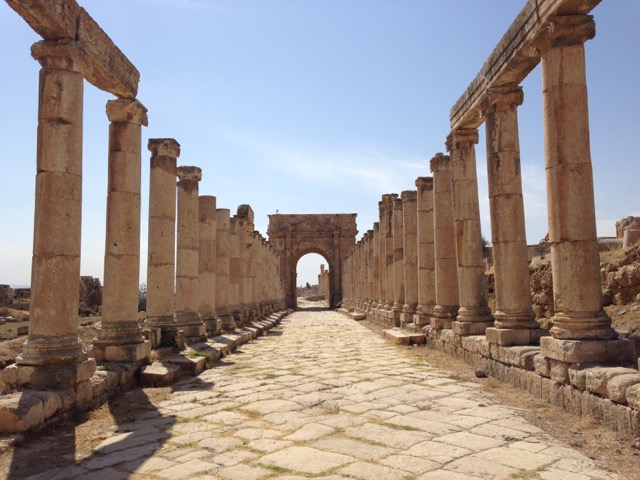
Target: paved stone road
x=324 y=397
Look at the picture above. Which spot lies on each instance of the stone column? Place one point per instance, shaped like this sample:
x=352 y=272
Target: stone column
x=382 y=259
x=426 y=258
x=571 y=210
x=53 y=345
x=410 y=254
x=473 y=315
x=388 y=201
x=376 y=269
x=370 y=281
x=120 y=338
x=187 y=264
x=223 y=263
x=514 y=317
x=446 y=272
x=207 y=262
x=234 y=269
x=161 y=242
x=398 y=262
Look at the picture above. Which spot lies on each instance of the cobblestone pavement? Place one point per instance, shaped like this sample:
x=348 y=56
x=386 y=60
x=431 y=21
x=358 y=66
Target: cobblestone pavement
x=324 y=397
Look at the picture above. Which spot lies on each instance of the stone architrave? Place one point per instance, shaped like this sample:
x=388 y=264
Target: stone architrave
x=410 y=254
x=474 y=316
x=570 y=199
x=398 y=262
x=514 y=317
x=161 y=243
x=426 y=253
x=446 y=272
x=223 y=263
x=207 y=262
x=120 y=338
x=187 y=264
x=52 y=345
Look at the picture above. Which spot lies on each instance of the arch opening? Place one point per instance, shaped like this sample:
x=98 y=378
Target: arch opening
x=312 y=281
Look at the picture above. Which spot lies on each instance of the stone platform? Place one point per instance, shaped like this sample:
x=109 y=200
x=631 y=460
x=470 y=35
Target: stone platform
x=324 y=397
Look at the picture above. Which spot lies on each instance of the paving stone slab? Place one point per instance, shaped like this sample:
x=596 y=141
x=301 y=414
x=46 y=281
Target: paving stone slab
x=306 y=459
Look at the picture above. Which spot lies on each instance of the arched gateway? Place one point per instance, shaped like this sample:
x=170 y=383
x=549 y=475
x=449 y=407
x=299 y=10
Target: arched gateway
x=330 y=235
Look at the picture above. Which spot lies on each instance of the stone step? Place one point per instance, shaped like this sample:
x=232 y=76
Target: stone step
x=159 y=374
x=191 y=366
x=399 y=337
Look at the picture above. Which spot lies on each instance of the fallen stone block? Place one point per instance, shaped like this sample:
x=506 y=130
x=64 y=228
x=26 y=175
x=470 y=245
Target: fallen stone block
x=21 y=411
x=399 y=337
x=617 y=386
x=188 y=365
x=159 y=374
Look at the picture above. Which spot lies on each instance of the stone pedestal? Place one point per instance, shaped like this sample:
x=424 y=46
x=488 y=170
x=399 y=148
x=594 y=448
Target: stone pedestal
x=120 y=338
x=410 y=254
x=398 y=262
x=55 y=272
x=510 y=256
x=207 y=262
x=161 y=242
x=572 y=227
x=446 y=273
x=426 y=253
x=473 y=315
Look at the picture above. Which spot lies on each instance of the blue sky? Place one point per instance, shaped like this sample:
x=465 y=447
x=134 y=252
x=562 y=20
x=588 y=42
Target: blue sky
x=310 y=106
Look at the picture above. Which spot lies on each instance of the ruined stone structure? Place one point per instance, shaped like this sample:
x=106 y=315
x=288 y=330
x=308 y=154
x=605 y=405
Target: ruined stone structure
x=293 y=236
x=552 y=34
x=323 y=283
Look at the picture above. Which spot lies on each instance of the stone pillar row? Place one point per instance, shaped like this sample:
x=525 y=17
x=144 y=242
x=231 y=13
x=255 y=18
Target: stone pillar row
x=427 y=250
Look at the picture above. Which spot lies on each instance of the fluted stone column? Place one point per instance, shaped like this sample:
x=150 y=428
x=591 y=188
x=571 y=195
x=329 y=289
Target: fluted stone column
x=53 y=345
x=473 y=315
x=120 y=338
x=207 y=262
x=426 y=253
x=514 y=317
x=161 y=242
x=410 y=254
x=388 y=201
x=223 y=263
x=446 y=272
x=571 y=208
x=398 y=262
x=187 y=264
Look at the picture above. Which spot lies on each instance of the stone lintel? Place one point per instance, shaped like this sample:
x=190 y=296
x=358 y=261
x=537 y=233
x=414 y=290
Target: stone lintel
x=108 y=68
x=511 y=61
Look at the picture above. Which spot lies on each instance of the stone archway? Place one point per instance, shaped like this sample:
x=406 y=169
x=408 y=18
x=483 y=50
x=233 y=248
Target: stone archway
x=330 y=235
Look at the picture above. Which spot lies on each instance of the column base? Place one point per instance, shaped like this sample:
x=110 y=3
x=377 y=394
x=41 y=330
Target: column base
x=582 y=326
x=443 y=316
x=440 y=323
x=121 y=353
x=61 y=376
x=470 y=328
x=395 y=316
x=228 y=322
x=513 y=336
x=52 y=351
x=480 y=314
x=515 y=320
x=420 y=320
x=406 y=317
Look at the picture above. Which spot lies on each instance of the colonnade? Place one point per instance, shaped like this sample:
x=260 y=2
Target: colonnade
x=226 y=273
x=442 y=260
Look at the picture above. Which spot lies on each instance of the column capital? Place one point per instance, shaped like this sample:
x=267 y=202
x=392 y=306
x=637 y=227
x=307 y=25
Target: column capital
x=376 y=226
x=504 y=98
x=389 y=198
x=189 y=173
x=424 y=183
x=63 y=54
x=440 y=163
x=397 y=204
x=370 y=232
x=164 y=147
x=127 y=110
x=563 y=31
x=409 y=196
x=462 y=138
